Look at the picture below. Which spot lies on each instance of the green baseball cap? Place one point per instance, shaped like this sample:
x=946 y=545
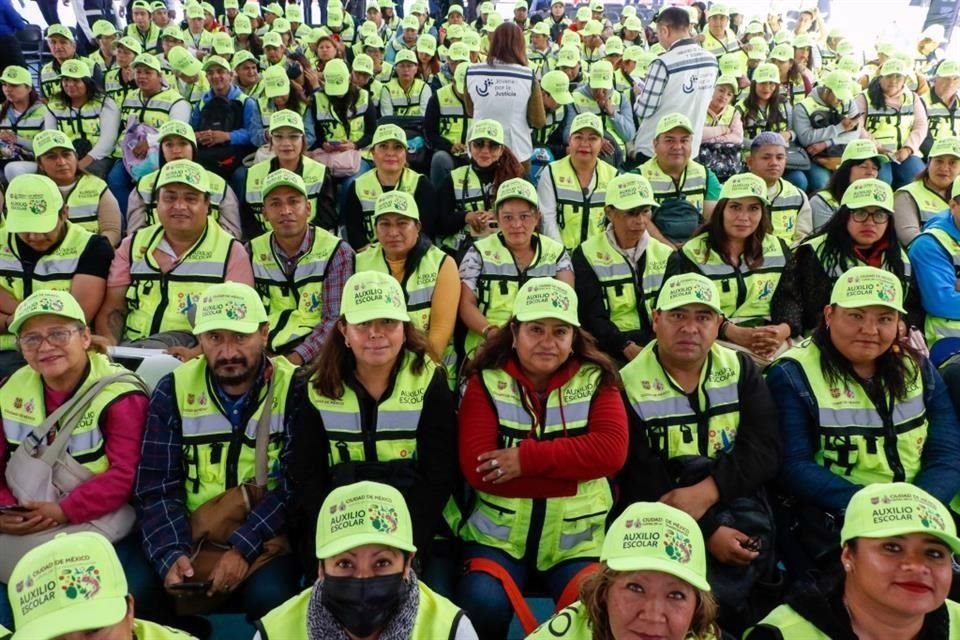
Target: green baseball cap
x=840 y=83
x=487 y=129
x=541 y=28
x=868 y=287
x=849 y=64
x=242 y=25
x=583 y=14
x=33 y=204
x=336 y=78
x=633 y=23
x=410 y=22
x=782 y=52
x=388 y=132
x=718 y=9
x=517 y=188
x=60 y=30
x=948 y=69
x=601 y=75
x=472 y=40
x=89 y=588
x=229 y=306
x=160 y=5
x=148 y=60
x=629 y=191
x=216 y=61
x=883 y=510
x=184 y=62
x=869 y=192
x=272 y=39
x=251 y=10
x=745 y=185
x=494 y=20
x=454 y=8
x=50 y=139
x=949 y=146
x=733 y=64
x=274 y=8
x=652 y=536
x=16 y=75
x=275 y=82
x=130 y=44
x=568 y=56
x=363 y=513
x=334 y=17
x=185 y=172
x=613 y=46
x=460 y=76
x=427 y=44
x=638 y=54
x=231 y=4
x=282 y=178
x=406 y=55
x=458 y=52
x=592 y=28
x=766 y=72
x=280 y=25
x=399 y=202
x=571 y=39
x=557 y=84
x=371 y=295
x=193 y=12
x=363 y=63
x=802 y=41
x=76 y=69
x=103 y=28
x=728 y=81
x=286 y=118
x=294 y=13
x=374 y=42
x=542 y=298
x=863 y=149
x=141 y=4
x=223 y=44
x=242 y=56
x=673 y=121
x=47 y=302
x=893 y=67
x=688 y=288
x=586 y=120
x=173 y=32
x=172 y=128
x=455 y=32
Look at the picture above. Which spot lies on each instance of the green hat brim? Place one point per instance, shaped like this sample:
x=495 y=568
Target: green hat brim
x=670 y=567
x=104 y=612
x=532 y=315
x=872 y=303
x=347 y=543
x=888 y=532
x=284 y=183
x=225 y=324
x=359 y=316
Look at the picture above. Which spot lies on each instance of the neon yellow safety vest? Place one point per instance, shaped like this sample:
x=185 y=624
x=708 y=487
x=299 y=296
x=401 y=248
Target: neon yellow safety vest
x=936 y=327
x=827 y=197
x=793 y=626
x=628 y=296
x=148 y=40
x=573 y=527
x=79 y=124
x=675 y=428
x=471 y=195
x=294 y=302
x=53 y=271
x=437 y=617
x=50 y=78
x=584 y=103
x=854 y=439
x=24 y=410
x=833 y=273
x=28 y=125
x=929 y=203
x=745 y=293
x=397 y=422
x=454 y=121
x=756 y=123
x=722 y=120
x=146 y=630
x=313 y=173
x=83 y=202
x=554 y=120
x=331 y=125
x=570 y=623
x=147 y=189
x=216 y=456
x=153 y=111
x=160 y=301
x=941 y=121
x=719 y=47
x=580 y=216
x=500 y=280
x=891 y=127
x=784 y=209
x=405 y=103
x=692 y=186
x=368 y=189
x=115 y=88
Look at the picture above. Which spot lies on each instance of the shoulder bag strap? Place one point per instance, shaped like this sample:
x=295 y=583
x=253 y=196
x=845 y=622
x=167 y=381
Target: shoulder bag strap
x=263 y=434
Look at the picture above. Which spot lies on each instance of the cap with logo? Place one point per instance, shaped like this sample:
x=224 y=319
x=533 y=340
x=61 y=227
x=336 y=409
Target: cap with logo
x=948 y=69
x=455 y=32
x=275 y=81
x=886 y=510
x=517 y=188
x=231 y=4
x=363 y=63
x=130 y=44
x=172 y=128
x=629 y=191
x=460 y=76
x=405 y=56
x=336 y=78
x=371 y=295
x=744 y=185
x=728 y=81
x=185 y=172
x=633 y=23
x=803 y=41
x=652 y=536
x=546 y=298
x=521 y=4
x=47 y=302
x=688 y=288
x=208 y=8
x=472 y=40
x=61 y=31
x=251 y=10
x=173 y=32
x=193 y=12
x=103 y=28
x=281 y=26
x=766 y=72
x=374 y=42
x=363 y=513
x=294 y=13
x=541 y=28
x=868 y=287
x=840 y=83
x=242 y=56
x=571 y=39
x=410 y=22
x=863 y=149
x=557 y=84
x=427 y=44
x=634 y=53
x=148 y=60
x=229 y=306
x=596 y=6
x=272 y=39
x=50 y=139
x=215 y=61
x=673 y=121
x=868 y=192
x=487 y=129
x=398 y=202
x=242 y=25
x=592 y=28
x=76 y=69
x=223 y=44
x=274 y=8
x=782 y=52
x=286 y=118
x=583 y=14
x=283 y=178
x=389 y=132
x=33 y=204
x=893 y=67
x=458 y=52
x=717 y=9
x=613 y=46
x=454 y=8
x=17 y=76
x=628 y=11
x=949 y=146
x=601 y=75
x=494 y=20
x=733 y=65
x=568 y=56
x=184 y=62
x=586 y=120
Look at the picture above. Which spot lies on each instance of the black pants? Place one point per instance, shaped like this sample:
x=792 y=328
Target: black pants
x=10 y=53
x=48 y=9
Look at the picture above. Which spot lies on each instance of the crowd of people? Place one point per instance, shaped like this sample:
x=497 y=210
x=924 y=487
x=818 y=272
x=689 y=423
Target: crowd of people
x=653 y=315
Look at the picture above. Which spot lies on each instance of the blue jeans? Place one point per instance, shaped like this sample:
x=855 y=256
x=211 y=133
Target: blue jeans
x=898 y=174
x=817 y=177
x=121 y=185
x=797 y=178
x=484 y=599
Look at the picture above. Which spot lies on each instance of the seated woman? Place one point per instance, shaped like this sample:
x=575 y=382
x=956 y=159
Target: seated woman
x=342 y=116
x=90 y=204
x=466 y=196
x=22 y=116
x=860 y=233
x=754 y=270
x=61 y=381
x=896 y=574
x=860 y=160
x=929 y=193
x=366 y=586
x=390 y=172
x=858 y=407
x=724 y=122
x=642 y=590
x=495 y=267
x=542 y=427
x=278 y=94
x=375 y=407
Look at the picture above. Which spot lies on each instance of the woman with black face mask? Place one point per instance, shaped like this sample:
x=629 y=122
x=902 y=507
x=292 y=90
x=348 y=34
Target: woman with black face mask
x=366 y=587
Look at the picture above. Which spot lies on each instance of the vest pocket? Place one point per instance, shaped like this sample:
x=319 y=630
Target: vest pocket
x=840 y=454
x=492 y=520
x=582 y=530
x=211 y=463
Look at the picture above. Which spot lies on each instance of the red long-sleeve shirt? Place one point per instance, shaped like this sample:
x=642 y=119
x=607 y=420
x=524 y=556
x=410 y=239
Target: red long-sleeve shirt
x=550 y=468
x=108 y=491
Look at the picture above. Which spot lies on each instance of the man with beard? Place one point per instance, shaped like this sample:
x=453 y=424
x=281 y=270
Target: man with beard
x=208 y=440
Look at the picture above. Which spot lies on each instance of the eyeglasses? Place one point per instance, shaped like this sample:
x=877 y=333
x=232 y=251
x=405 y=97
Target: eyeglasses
x=56 y=338
x=861 y=215
x=489 y=144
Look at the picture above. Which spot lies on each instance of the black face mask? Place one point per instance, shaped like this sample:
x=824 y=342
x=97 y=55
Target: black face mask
x=362 y=605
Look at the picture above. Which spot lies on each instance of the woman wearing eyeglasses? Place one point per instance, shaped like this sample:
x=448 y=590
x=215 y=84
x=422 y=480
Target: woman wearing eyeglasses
x=860 y=233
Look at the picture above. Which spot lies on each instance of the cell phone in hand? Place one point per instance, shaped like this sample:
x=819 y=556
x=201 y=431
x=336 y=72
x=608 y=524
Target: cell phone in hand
x=14 y=509
x=197 y=585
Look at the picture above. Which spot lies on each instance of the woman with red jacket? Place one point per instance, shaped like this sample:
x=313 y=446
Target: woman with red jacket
x=542 y=426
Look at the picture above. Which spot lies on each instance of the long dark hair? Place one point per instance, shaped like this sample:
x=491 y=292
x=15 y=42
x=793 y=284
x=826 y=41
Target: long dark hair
x=342 y=105
x=505 y=168
x=837 y=250
x=717 y=235
x=32 y=98
x=507 y=45
x=893 y=370
x=840 y=180
x=496 y=352
x=875 y=94
x=776 y=114
x=93 y=93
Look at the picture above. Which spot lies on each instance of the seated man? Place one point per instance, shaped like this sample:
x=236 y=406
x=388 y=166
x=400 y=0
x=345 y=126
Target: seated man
x=299 y=269
x=215 y=427
x=696 y=443
x=159 y=273
x=790 y=213
x=41 y=249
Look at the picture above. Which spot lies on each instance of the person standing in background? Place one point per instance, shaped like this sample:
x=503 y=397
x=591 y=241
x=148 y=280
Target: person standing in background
x=10 y=23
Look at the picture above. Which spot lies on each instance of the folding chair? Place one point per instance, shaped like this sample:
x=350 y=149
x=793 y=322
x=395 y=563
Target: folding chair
x=32 y=44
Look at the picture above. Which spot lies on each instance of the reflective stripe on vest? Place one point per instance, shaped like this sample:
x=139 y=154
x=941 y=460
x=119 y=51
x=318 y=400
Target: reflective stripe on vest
x=784 y=209
x=368 y=189
x=29 y=124
x=147 y=189
x=941 y=120
x=328 y=121
x=405 y=103
x=891 y=127
x=313 y=173
x=52 y=271
x=929 y=203
x=585 y=103
x=754 y=123
x=835 y=271
x=453 y=119
x=83 y=202
x=471 y=195
x=936 y=327
x=692 y=187
x=580 y=216
x=570 y=623
x=79 y=124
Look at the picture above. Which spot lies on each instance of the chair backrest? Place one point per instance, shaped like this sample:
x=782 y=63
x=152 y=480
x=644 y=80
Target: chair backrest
x=32 y=45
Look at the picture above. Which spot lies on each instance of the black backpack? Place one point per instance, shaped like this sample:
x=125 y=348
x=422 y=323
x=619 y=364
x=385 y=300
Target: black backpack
x=221 y=114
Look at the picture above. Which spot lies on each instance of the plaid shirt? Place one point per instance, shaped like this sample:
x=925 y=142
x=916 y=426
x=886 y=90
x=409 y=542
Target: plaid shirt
x=649 y=101
x=340 y=268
